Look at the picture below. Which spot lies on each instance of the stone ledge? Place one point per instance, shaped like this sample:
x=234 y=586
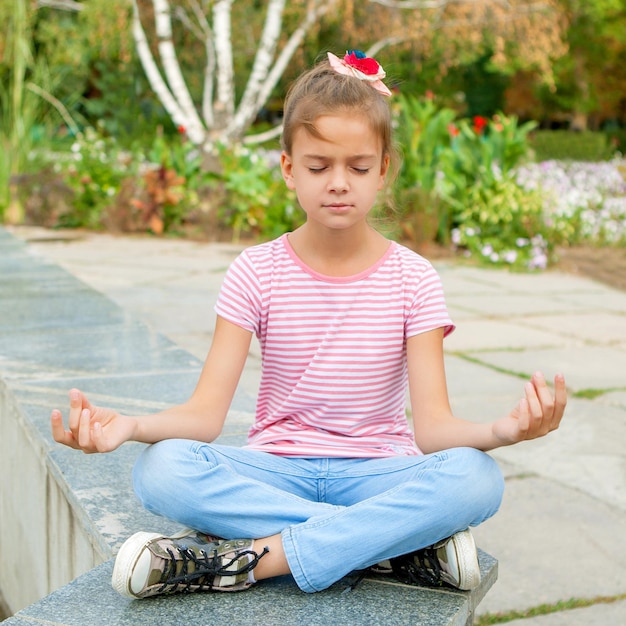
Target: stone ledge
x=64 y=514
x=91 y=600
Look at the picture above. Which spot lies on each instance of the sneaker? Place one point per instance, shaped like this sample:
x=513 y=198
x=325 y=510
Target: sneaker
x=453 y=561
x=150 y=564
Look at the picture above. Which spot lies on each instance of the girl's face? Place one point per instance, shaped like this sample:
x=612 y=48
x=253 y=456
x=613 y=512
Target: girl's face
x=336 y=178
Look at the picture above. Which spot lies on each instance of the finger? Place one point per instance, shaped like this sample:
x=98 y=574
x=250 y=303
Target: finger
x=560 y=401
x=532 y=397
x=523 y=418
x=84 y=430
x=97 y=435
x=76 y=406
x=538 y=424
x=545 y=396
x=59 y=434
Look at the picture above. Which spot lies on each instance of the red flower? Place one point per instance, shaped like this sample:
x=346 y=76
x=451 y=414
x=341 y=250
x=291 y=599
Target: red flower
x=480 y=123
x=453 y=130
x=181 y=129
x=358 y=60
x=356 y=64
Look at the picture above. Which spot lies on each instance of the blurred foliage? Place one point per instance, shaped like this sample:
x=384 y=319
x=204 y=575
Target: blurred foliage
x=470 y=54
x=78 y=121
x=256 y=201
x=568 y=145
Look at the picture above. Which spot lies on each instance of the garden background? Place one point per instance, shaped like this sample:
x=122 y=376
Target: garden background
x=162 y=117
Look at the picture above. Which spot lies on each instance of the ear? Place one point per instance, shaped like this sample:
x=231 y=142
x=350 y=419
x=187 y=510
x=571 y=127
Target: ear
x=286 y=167
x=384 y=168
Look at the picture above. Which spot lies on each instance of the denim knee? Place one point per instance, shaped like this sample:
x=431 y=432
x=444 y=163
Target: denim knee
x=481 y=484
x=153 y=469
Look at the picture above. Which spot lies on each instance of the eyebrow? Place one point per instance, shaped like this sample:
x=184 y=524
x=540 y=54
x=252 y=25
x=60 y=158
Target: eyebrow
x=355 y=157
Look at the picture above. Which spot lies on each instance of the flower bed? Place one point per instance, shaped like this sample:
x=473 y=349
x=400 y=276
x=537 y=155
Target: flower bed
x=583 y=202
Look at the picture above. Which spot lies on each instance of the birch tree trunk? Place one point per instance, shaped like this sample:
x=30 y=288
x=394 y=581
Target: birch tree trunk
x=218 y=118
x=180 y=116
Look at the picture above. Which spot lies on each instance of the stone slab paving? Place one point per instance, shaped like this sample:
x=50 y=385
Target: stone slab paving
x=561 y=532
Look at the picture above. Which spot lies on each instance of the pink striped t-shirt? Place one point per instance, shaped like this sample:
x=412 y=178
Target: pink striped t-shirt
x=334 y=372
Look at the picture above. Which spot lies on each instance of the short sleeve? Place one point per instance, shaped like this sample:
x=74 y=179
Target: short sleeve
x=428 y=308
x=240 y=296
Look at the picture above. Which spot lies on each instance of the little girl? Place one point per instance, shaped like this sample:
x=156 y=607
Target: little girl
x=332 y=478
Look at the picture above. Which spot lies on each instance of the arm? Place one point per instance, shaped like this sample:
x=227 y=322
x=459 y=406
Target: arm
x=97 y=429
x=436 y=428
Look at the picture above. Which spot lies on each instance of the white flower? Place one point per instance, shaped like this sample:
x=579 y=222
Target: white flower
x=538 y=261
x=510 y=256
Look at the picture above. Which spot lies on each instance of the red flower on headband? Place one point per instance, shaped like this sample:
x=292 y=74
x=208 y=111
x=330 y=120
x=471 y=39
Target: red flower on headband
x=356 y=64
x=365 y=64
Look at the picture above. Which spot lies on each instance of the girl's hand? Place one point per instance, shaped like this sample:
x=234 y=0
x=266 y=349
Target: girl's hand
x=91 y=428
x=537 y=414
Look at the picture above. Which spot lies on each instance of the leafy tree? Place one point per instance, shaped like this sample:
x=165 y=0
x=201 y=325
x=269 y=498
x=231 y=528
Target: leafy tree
x=592 y=77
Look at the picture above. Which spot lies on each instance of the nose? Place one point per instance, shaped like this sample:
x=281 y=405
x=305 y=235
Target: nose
x=338 y=181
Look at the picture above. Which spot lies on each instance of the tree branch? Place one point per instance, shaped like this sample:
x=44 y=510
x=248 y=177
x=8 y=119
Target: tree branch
x=314 y=12
x=61 y=5
x=57 y=104
x=179 y=117
x=169 y=59
x=225 y=101
x=209 y=70
x=264 y=136
x=248 y=105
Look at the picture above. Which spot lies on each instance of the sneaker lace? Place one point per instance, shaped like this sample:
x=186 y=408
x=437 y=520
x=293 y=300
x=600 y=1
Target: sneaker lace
x=418 y=568
x=205 y=569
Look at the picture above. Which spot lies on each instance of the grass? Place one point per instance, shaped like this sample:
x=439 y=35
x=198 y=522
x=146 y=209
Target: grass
x=495 y=368
x=591 y=394
x=545 y=609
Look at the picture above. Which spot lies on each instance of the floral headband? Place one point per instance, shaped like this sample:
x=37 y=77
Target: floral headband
x=356 y=63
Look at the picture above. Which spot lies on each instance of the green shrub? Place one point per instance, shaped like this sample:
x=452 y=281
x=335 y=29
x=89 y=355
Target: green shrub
x=504 y=224
x=422 y=133
x=490 y=215
x=256 y=200
x=457 y=183
x=563 y=145
x=616 y=138
x=94 y=170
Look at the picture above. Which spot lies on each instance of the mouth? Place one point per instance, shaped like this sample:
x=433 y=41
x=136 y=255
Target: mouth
x=338 y=206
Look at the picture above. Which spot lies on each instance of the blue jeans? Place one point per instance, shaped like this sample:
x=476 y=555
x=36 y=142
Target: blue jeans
x=335 y=515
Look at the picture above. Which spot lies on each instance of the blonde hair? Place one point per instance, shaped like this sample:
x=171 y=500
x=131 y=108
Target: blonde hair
x=322 y=91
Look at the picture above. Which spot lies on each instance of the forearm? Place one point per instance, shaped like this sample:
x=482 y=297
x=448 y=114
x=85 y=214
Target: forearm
x=180 y=422
x=433 y=435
